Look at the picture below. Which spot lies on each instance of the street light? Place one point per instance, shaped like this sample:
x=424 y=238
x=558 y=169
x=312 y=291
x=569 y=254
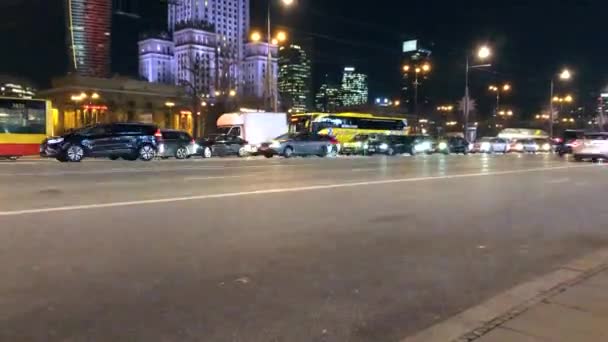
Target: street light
x=256 y=36
x=484 y=52
x=281 y=36
x=565 y=75
x=95 y=96
x=270 y=93
x=418 y=69
x=504 y=88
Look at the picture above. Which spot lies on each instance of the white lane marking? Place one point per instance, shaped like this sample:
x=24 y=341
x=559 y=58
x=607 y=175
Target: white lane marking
x=284 y=190
x=367 y=169
x=218 y=177
x=19 y=163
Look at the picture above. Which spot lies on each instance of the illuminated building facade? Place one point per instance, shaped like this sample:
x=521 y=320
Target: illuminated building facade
x=354 y=90
x=205 y=47
x=294 y=78
x=89 y=37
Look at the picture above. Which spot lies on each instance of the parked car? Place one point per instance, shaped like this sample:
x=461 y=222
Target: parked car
x=359 y=144
x=593 y=146
x=564 y=144
x=400 y=144
x=491 y=145
x=300 y=144
x=453 y=145
x=222 y=145
x=176 y=144
x=130 y=141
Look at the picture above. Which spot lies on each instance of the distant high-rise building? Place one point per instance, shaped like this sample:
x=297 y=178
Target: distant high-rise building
x=327 y=98
x=295 y=79
x=354 y=90
x=89 y=36
x=207 y=48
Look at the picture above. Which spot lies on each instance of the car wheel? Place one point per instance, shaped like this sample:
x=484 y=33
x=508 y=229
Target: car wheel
x=113 y=157
x=242 y=153
x=324 y=152
x=181 y=153
x=74 y=153
x=268 y=155
x=578 y=159
x=207 y=153
x=288 y=152
x=146 y=153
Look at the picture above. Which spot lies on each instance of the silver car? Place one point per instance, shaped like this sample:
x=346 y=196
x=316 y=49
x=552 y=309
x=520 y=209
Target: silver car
x=593 y=146
x=299 y=144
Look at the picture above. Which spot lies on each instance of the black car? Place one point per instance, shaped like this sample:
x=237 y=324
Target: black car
x=130 y=141
x=176 y=144
x=399 y=144
x=564 y=144
x=453 y=145
x=222 y=145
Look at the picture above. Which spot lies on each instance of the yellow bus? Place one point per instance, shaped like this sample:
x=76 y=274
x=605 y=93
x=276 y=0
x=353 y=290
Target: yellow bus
x=24 y=124
x=344 y=126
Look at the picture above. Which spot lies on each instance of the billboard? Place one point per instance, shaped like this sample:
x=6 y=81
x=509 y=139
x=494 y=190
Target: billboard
x=410 y=45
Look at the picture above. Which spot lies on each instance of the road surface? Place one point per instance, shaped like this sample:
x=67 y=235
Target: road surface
x=345 y=249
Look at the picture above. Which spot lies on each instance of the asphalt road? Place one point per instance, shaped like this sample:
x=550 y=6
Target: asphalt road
x=346 y=249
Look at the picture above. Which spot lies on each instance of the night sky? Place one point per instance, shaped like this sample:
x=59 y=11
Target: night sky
x=531 y=39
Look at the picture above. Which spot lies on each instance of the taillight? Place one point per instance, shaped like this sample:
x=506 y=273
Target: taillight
x=576 y=143
x=193 y=141
x=333 y=141
x=158 y=135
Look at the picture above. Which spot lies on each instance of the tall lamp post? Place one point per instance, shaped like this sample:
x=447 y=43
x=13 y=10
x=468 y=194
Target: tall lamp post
x=419 y=69
x=281 y=37
x=498 y=90
x=483 y=53
x=565 y=75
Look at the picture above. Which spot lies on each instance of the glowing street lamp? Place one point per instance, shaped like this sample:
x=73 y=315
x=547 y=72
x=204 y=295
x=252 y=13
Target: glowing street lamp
x=95 y=96
x=418 y=69
x=256 y=37
x=565 y=75
x=482 y=53
x=281 y=36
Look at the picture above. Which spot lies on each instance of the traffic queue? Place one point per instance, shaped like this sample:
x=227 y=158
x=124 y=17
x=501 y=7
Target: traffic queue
x=272 y=134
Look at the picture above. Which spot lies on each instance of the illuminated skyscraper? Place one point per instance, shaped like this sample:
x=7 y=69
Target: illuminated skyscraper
x=295 y=78
x=88 y=36
x=354 y=90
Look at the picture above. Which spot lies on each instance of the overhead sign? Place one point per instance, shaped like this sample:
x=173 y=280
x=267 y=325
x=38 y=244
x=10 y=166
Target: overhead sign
x=410 y=45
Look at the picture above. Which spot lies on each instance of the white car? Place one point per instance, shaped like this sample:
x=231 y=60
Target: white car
x=593 y=146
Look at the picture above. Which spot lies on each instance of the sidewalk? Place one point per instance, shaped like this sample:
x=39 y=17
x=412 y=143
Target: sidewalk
x=569 y=304
x=580 y=313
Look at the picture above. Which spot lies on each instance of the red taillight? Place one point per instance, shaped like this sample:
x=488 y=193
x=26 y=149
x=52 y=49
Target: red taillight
x=333 y=141
x=158 y=135
x=193 y=141
x=576 y=143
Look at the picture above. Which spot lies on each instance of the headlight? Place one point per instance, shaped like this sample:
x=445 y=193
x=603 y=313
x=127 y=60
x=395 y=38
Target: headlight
x=365 y=145
x=275 y=144
x=443 y=146
x=54 y=141
x=519 y=147
x=383 y=146
x=359 y=144
x=485 y=146
x=424 y=146
x=546 y=147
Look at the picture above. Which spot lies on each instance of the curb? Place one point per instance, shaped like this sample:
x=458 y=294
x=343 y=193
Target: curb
x=479 y=320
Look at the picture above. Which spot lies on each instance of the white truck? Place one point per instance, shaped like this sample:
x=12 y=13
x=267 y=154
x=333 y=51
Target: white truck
x=254 y=127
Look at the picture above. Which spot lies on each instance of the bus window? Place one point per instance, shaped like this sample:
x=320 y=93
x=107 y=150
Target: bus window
x=299 y=124
x=22 y=117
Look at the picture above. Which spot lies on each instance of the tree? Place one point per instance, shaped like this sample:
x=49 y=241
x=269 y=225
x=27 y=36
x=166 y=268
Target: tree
x=197 y=88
